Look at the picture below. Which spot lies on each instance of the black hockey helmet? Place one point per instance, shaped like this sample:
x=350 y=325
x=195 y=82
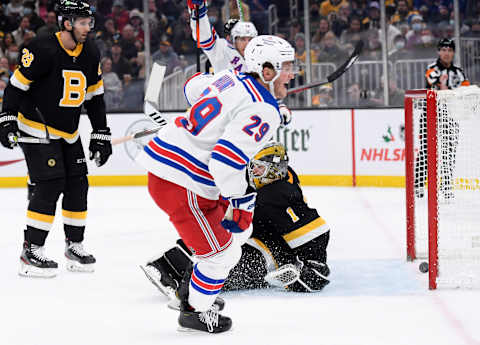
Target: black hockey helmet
x=446 y=42
x=227 y=28
x=72 y=9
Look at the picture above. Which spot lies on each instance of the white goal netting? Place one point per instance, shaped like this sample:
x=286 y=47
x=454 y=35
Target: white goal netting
x=457 y=189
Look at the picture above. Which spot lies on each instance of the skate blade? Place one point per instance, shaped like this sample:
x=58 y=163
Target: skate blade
x=30 y=271
x=75 y=266
x=174 y=304
x=170 y=294
x=196 y=331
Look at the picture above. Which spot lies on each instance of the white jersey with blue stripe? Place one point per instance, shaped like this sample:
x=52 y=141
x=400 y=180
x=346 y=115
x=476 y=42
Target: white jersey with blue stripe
x=207 y=150
x=220 y=52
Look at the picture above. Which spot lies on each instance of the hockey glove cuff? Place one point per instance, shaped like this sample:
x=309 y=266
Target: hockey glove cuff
x=239 y=214
x=100 y=146
x=8 y=129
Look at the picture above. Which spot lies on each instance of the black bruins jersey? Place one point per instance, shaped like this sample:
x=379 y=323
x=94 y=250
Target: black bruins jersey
x=281 y=209
x=57 y=81
x=455 y=74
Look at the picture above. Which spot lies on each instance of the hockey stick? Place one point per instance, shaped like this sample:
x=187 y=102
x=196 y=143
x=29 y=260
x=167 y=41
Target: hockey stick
x=240 y=10
x=154 y=86
x=335 y=75
x=136 y=135
x=198 y=37
x=32 y=140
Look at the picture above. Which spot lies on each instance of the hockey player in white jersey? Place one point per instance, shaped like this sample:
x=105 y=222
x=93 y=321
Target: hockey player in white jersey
x=199 y=159
x=221 y=53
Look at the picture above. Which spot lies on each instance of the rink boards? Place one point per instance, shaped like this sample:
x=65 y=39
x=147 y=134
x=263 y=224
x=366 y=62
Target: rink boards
x=345 y=147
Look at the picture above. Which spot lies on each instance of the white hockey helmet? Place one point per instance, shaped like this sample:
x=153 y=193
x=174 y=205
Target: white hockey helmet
x=243 y=29
x=267 y=48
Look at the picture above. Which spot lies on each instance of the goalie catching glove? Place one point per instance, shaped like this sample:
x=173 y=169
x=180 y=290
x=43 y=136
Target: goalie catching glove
x=100 y=146
x=8 y=128
x=239 y=214
x=304 y=276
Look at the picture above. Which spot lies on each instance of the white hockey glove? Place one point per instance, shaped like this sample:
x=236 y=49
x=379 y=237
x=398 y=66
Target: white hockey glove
x=286 y=114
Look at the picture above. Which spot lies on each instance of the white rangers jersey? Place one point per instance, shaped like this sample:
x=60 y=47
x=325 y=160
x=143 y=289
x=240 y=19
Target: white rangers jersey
x=221 y=53
x=208 y=149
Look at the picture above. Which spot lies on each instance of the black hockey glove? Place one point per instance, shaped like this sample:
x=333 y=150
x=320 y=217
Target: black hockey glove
x=8 y=128
x=100 y=146
x=313 y=276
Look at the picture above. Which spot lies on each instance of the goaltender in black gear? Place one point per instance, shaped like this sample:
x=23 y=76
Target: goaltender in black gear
x=288 y=246
x=57 y=75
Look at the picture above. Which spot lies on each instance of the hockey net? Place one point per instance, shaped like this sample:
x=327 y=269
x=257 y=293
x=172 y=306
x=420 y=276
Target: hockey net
x=442 y=145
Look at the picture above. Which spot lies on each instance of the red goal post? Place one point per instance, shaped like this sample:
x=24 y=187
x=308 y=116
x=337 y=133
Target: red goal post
x=442 y=171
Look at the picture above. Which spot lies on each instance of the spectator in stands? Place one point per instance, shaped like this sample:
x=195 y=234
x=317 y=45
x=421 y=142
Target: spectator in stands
x=373 y=49
x=182 y=35
x=414 y=35
x=5 y=68
x=50 y=26
x=7 y=41
x=119 y=15
x=111 y=84
x=29 y=11
x=139 y=66
x=356 y=96
x=170 y=8
x=120 y=65
x=341 y=21
x=323 y=28
x=300 y=52
x=395 y=95
x=353 y=34
x=323 y=96
x=314 y=11
x=22 y=28
x=136 y=21
x=443 y=15
x=400 y=51
x=133 y=95
x=258 y=14
x=295 y=28
x=427 y=13
x=426 y=48
x=331 y=6
x=12 y=56
x=127 y=41
x=403 y=13
x=330 y=51
x=14 y=8
x=27 y=38
x=166 y=56
x=232 y=6
x=474 y=28
x=372 y=20
x=3 y=85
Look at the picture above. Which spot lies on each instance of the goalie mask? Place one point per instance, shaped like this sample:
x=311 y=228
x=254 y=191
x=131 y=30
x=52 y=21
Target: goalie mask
x=270 y=164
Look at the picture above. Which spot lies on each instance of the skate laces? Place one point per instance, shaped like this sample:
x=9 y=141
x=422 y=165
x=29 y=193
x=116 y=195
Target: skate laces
x=210 y=318
x=39 y=252
x=77 y=248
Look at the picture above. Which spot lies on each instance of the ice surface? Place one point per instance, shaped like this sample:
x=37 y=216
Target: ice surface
x=375 y=296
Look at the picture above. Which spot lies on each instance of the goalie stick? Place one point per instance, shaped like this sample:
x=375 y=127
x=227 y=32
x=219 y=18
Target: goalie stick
x=335 y=75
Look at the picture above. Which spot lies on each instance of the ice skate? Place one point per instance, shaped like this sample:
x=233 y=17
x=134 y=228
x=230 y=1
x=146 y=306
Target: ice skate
x=210 y=321
x=34 y=263
x=78 y=260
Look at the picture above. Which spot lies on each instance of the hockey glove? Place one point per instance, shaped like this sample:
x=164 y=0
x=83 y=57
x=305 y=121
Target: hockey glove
x=193 y=4
x=313 y=276
x=100 y=146
x=286 y=114
x=239 y=214
x=8 y=128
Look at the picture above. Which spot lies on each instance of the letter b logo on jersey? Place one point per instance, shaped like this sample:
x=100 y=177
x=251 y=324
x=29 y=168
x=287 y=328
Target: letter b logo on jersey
x=74 y=88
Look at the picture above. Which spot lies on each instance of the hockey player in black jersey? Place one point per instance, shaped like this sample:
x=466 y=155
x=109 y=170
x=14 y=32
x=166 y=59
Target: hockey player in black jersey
x=288 y=246
x=57 y=75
